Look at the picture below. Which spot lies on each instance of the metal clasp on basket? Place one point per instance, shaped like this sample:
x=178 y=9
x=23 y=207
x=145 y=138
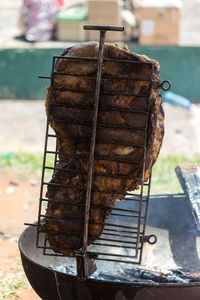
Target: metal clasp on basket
x=151 y=239
x=164 y=85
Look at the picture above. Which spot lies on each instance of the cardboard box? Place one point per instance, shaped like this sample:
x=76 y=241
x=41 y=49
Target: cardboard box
x=159 y=25
x=66 y=31
x=69 y=24
x=104 y=8
x=105 y=12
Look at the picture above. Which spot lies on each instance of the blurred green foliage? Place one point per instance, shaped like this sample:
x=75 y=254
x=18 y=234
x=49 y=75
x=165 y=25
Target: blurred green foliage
x=164 y=179
x=23 y=160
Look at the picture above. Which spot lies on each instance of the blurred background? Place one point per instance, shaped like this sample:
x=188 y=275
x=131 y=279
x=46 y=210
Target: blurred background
x=149 y=22
x=31 y=32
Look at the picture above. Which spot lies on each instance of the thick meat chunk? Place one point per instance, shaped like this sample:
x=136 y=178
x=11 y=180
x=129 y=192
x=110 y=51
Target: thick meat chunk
x=120 y=135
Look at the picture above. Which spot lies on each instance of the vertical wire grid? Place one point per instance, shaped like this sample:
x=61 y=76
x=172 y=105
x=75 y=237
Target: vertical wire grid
x=143 y=172
x=45 y=154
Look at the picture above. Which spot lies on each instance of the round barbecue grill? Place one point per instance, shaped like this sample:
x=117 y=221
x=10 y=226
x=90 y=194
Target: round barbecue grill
x=134 y=257
x=170 y=268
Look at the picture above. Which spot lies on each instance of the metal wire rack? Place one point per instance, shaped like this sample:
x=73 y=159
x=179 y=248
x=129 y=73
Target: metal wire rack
x=123 y=235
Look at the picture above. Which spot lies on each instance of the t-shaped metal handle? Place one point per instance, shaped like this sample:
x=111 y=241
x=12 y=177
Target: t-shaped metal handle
x=103 y=27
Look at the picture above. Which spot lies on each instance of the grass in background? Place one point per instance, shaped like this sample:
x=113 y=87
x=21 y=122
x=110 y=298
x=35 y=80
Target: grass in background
x=164 y=179
x=30 y=163
x=21 y=160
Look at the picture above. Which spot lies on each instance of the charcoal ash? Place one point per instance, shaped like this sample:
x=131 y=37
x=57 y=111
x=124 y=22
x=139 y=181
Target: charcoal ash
x=138 y=275
x=173 y=276
x=123 y=274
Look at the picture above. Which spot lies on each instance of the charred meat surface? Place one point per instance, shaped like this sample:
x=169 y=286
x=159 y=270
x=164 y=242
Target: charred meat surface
x=120 y=140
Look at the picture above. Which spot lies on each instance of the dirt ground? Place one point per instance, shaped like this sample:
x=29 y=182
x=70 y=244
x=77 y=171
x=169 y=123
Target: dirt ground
x=19 y=204
x=19 y=194
x=9 y=253
x=22 y=128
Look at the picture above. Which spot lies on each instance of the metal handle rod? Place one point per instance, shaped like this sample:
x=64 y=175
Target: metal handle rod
x=93 y=139
x=103 y=27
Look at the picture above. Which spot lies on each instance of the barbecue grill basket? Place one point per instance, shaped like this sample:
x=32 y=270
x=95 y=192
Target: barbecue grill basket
x=123 y=236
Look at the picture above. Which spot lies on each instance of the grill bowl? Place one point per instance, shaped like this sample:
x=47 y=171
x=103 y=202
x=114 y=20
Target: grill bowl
x=169 y=217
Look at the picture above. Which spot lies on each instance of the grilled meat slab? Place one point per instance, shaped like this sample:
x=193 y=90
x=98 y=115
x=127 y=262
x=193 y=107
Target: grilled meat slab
x=120 y=139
